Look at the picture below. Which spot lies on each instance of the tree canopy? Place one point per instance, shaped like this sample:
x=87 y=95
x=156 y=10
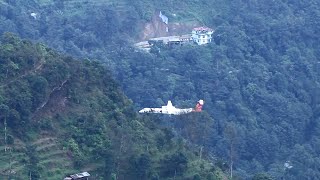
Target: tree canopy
x=259 y=78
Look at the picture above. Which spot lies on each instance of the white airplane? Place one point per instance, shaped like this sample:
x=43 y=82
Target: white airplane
x=170 y=109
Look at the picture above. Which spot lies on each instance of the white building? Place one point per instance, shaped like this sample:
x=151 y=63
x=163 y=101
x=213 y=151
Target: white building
x=79 y=176
x=202 y=35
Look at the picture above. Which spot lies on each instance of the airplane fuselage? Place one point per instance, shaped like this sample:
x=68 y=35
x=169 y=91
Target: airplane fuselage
x=168 y=109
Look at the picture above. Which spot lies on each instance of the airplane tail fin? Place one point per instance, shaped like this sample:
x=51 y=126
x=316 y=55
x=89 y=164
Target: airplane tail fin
x=199 y=105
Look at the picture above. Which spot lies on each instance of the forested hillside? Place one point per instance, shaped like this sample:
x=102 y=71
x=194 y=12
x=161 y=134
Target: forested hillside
x=60 y=116
x=259 y=79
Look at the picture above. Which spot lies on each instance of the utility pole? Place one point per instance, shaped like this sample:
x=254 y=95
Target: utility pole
x=201 y=152
x=10 y=163
x=231 y=161
x=5 y=132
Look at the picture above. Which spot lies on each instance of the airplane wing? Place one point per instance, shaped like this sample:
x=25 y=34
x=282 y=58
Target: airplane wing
x=182 y=111
x=151 y=110
x=161 y=111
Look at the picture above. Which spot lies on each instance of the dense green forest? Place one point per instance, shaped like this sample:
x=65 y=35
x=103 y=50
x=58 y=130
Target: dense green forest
x=259 y=78
x=59 y=116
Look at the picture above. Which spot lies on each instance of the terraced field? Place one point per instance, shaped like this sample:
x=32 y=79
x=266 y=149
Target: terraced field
x=69 y=4
x=54 y=162
x=13 y=161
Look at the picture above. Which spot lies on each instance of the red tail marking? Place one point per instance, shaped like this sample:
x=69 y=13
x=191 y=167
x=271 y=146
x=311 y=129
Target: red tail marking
x=198 y=108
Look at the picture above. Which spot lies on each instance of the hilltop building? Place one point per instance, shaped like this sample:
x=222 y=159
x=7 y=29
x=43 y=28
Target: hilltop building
x=199 y=36
x=79 y=176
x=202 y=35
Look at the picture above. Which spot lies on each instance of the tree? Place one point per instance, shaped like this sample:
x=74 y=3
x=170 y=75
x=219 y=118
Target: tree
x=196 y=127
x=33 y=167
x=39 y=87
x=109 y=165
x=230 y=133
x=174 y=165
x=262 y=176
x=141 y=166
x=4 y=112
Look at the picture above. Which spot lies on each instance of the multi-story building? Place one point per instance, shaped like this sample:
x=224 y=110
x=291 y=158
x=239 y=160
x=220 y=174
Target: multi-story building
x=202 y=35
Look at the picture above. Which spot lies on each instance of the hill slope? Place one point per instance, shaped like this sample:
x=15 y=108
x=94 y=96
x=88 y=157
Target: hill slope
x=62 y=116
x=260 y=77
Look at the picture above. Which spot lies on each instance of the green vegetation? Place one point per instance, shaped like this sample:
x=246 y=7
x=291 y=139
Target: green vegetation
x=62 y=116
x=259 y=79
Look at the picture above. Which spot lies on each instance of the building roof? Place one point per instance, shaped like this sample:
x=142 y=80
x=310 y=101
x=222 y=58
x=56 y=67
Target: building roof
x=202 y=28
x=80 y=175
